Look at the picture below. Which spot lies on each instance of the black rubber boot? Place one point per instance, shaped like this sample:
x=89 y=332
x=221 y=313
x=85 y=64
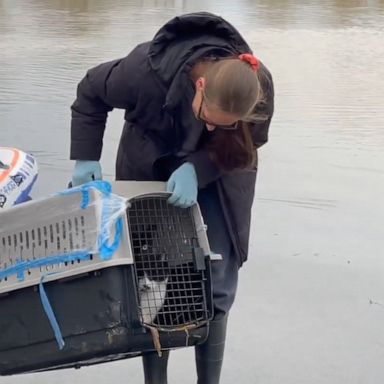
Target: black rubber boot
x=209 y=356
x=155 y=368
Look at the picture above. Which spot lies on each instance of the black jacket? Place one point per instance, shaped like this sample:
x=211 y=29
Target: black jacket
x=152 y=84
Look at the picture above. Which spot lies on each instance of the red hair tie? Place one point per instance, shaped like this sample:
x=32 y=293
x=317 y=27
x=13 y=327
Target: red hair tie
x=251 y=60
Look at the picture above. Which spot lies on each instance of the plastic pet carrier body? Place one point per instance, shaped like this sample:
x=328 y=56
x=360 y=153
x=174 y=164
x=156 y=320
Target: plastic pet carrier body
x=89 y=276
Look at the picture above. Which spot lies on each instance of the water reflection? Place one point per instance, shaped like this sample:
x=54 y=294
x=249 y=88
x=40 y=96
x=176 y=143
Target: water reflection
x=314 y=14
x=327 y=59
x=320 y=182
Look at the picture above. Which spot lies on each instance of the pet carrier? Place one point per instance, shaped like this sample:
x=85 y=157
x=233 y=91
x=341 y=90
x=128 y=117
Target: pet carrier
x=89 y=276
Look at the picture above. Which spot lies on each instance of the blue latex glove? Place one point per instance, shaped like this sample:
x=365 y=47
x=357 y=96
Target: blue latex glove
x=85 y=171
x=183 y=186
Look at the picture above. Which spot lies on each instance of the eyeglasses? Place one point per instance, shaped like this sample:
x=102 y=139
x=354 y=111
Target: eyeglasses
x=230 y=127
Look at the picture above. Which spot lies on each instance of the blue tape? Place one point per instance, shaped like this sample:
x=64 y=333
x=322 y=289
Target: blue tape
x=21 y=266
x=51 y=315
x=101 y=185
x=20 y=272
x=106 y=251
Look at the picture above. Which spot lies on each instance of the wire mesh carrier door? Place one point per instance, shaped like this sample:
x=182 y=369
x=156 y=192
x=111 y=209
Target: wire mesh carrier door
x=92 y=276
x=170 y=265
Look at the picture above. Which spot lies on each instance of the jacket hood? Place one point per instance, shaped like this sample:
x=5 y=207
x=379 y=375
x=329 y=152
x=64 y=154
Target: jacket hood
x=185 y=39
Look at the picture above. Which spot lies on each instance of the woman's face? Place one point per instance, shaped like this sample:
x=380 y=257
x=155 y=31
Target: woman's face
x=210 y=113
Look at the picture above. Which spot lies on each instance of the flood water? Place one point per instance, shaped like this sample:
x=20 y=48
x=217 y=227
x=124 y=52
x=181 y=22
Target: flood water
x=310 y=306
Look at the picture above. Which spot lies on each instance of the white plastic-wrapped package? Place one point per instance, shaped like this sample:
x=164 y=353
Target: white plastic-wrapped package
x=18 y=173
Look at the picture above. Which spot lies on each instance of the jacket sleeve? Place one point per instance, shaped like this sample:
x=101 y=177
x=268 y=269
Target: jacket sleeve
x=109 y=85
x=206 y=170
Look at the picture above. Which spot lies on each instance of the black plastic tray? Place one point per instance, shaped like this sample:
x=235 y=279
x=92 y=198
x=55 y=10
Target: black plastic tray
x=98 y=317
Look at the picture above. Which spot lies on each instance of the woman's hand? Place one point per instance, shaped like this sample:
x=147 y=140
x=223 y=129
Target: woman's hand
x=85 y=171
x=183 y=186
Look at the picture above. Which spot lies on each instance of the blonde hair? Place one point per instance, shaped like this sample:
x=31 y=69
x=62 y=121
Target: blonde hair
x=233 y=87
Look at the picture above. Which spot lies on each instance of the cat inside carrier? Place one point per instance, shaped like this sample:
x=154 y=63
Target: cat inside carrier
x=97 y=274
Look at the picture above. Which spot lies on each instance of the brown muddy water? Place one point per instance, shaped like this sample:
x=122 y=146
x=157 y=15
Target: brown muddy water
x=310 y=307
